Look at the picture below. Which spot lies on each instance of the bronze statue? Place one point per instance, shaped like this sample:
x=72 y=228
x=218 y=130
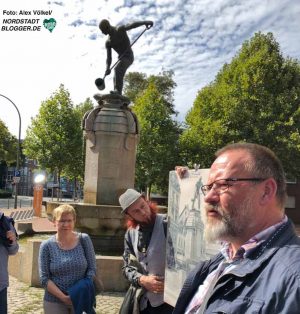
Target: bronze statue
x=119 y=41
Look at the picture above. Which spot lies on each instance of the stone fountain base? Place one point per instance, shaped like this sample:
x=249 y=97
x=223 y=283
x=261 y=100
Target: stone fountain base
x=104 y=223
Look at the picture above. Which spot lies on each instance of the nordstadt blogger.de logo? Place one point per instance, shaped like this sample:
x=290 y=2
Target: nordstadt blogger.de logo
x=27 y=20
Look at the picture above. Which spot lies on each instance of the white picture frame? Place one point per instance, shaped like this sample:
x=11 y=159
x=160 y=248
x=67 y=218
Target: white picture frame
x=186 y=245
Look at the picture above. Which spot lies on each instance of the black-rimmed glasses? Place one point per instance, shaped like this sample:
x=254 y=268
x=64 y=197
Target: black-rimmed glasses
x=222 y=185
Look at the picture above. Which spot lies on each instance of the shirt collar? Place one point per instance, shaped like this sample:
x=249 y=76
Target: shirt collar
x=251 y=244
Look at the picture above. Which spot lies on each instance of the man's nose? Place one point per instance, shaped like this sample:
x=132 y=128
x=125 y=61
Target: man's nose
x=212 y=196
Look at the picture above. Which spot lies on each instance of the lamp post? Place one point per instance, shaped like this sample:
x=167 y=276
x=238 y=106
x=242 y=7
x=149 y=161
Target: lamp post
x=18 y=149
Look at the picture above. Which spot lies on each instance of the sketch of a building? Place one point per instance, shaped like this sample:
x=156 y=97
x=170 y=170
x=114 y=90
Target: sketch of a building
x=185 y=246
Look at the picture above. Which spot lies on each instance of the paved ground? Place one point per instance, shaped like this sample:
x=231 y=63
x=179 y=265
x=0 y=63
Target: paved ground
x=23 y=299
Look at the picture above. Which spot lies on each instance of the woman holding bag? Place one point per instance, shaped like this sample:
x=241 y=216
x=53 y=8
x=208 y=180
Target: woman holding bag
x=64 y=262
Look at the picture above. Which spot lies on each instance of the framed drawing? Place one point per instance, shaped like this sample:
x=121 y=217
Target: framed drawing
x=185 y=242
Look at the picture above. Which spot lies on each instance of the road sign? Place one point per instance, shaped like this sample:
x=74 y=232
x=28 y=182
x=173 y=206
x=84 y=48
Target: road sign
x=16 y=179
x=52 y=185
x=17 y=173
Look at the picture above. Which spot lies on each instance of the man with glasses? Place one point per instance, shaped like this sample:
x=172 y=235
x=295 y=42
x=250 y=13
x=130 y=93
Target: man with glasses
x=258 y=268
x=145 y=240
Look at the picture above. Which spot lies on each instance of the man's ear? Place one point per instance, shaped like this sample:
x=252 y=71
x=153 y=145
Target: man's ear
x=269 y=190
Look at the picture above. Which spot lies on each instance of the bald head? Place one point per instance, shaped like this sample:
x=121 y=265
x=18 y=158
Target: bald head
x=104 y=26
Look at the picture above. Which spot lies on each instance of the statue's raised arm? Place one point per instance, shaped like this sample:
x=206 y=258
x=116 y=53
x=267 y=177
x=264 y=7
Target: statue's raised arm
x=130 y=26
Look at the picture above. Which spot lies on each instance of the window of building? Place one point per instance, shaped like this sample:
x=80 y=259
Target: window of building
x=9 y=177
x=290 y=202
x=290 y=179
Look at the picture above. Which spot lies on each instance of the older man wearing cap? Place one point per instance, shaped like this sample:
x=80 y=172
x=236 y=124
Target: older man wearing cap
x=146 y=240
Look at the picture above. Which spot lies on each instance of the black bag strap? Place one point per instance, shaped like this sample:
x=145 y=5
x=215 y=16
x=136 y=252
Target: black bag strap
x=82 y=244
x=98 y=284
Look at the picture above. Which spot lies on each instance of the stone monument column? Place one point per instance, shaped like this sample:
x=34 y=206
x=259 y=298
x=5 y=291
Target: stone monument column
x=111 y=132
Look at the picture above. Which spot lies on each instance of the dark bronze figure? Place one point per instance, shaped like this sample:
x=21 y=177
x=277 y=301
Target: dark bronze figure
x=118 y=40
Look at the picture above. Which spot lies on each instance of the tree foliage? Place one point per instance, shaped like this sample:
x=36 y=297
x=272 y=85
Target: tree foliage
x=54 y=137
x=84 y=107
x=157 y=152
x=75 y=170
x=8 y=145
x=136 y=83
x=256 y=99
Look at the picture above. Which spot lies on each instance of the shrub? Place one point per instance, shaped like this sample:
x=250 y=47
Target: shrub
x=5 y=194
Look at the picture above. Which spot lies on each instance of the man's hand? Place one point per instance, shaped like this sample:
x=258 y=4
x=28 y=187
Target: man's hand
x=152 y=283
x=181 y=171
x=107 y=72
x=148 y=24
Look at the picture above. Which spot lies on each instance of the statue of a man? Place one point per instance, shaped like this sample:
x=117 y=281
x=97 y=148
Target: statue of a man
x=119 y=41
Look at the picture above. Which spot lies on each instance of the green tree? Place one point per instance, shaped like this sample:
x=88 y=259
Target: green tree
x=157 y=151
x=84 y=107
x=53 y=136
x=8 y=145
x=136 y=83
x=75 y=170
x=8 y=149
x=255 y=98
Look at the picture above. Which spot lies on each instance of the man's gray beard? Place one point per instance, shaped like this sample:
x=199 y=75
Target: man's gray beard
x=227 y=226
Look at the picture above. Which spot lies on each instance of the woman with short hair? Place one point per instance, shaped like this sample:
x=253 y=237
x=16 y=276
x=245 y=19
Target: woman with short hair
x=64 y=259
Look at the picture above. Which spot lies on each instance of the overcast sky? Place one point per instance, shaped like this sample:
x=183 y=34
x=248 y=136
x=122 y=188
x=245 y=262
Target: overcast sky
x=192 y=37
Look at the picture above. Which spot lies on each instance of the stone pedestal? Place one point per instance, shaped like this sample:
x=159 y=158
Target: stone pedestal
x=111 y=132
x=103 y=223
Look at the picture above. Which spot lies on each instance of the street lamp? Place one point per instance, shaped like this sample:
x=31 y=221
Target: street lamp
x=18 y=149
x=40 y=178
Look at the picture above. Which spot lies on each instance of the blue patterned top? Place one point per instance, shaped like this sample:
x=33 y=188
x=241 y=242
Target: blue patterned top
x=65 y=267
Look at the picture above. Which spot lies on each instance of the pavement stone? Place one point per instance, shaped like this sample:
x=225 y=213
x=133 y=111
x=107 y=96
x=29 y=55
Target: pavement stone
x=23 y=299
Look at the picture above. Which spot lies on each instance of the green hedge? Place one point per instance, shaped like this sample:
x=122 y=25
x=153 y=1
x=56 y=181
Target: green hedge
x=5 y=194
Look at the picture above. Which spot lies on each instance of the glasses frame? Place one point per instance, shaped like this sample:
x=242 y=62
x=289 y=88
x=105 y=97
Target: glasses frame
x=205 y=189
x=65 y=221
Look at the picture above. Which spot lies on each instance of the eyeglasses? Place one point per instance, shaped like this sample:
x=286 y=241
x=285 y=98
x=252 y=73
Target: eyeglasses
x=64 y=221
x=222 y=185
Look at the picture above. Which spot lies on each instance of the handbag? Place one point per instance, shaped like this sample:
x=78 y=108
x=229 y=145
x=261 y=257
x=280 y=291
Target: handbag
x=131 y=301
x=128 y=301
x=130 y=304
x=98 y=284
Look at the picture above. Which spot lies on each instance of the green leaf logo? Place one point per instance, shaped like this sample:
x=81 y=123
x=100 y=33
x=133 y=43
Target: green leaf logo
x=49 y=24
